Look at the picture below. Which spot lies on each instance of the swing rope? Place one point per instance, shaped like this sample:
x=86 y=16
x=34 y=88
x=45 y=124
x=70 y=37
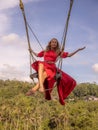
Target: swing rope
x=27 y=34
x=65 y=34
x=31 y=57
x=35 y=36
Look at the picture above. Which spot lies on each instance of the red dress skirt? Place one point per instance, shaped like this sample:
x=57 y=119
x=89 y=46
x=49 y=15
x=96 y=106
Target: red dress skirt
x=66 y=83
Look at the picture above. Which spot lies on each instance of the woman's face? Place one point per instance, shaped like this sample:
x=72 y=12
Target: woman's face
x=54 y=43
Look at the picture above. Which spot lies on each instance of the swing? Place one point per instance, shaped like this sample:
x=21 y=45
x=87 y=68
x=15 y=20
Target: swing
x=58 y=74
x=34 y=75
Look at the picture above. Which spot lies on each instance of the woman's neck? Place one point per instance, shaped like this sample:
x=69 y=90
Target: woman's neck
x=53 y=49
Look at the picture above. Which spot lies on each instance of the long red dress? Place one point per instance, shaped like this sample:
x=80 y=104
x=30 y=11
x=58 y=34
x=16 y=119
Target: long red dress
x=64 y=85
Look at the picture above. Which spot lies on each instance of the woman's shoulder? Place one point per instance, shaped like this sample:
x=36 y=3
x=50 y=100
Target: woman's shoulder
x=41 y=53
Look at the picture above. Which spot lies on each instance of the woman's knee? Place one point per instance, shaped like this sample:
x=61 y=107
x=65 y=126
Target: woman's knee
x=41 y=66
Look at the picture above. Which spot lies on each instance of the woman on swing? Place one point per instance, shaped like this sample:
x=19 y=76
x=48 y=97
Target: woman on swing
x=47 y=70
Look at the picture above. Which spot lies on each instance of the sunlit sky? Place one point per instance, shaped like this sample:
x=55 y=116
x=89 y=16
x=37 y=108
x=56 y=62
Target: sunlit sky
x=47 y=19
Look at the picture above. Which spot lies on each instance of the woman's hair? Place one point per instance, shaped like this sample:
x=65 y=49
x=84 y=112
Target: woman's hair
x=57 y=49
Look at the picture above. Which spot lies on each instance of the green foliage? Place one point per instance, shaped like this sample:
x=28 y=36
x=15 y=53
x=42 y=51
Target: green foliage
x=83 y=115
x=85 y=89
x=18 y=112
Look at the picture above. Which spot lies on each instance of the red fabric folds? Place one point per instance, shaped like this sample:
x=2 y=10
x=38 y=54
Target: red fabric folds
x=65 y=84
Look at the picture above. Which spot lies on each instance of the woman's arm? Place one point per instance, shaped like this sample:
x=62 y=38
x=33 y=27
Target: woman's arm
x=71 y=54
x=31 y=51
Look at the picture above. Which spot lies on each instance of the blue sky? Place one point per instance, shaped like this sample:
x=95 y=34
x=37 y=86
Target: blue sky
x=47 y=19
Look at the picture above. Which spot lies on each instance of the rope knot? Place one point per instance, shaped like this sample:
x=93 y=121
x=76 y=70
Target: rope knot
x=21 y=5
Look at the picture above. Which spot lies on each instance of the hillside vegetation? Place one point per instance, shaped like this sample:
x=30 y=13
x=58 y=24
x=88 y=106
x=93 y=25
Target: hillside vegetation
x=19 y=112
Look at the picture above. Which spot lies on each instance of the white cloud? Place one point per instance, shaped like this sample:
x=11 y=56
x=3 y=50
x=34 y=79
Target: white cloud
x=8 y=4
x=14 y=57
x=16 y=42
x=12 y=38
x=95 y=67
x=12 y=3
x=13 y=50
x=5 y=19
x=11 y=72
x=4 y=23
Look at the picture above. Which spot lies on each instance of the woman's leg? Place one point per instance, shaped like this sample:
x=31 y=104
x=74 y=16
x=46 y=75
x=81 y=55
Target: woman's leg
x=42 y=76
x=35 y=88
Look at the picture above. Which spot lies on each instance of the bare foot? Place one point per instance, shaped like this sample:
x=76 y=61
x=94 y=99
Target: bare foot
x=30 y=92
x=41 y=89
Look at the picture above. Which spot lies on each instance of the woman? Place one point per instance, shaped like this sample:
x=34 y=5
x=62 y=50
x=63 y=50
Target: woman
x=47 y=70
